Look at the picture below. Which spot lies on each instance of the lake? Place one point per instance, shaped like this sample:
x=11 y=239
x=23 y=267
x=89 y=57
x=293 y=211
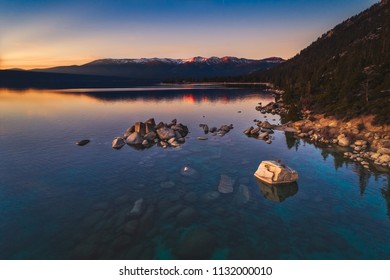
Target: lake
x=62 y=201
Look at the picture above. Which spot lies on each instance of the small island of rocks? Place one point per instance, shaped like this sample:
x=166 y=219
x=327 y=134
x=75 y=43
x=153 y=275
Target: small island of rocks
x=146 y=134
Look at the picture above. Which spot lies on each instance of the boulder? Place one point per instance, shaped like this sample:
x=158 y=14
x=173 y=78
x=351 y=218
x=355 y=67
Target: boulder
x=343 y=140
x=384 y=147
x=149 y=128
x=165 y=133
x=255 y=131
x=385 y=151
x=266 y=124
x=226 y=184
x=151 y=122
x=160 y=125
x=82 y=142
x=205 y=128
x=182 y=129
x=174 y=144
x=129 y=131
x=225 y=128
x=173 y=122
x=150 y=136
x=263 y=135
x=384 y=159
x=360 y=143
x=177 y=135
x=140 y=128
x=163 y=144
x=138 y=208
x=134 y=139
x=213 y=129
x=118 y=143
x=247 y=131
x=269 y=130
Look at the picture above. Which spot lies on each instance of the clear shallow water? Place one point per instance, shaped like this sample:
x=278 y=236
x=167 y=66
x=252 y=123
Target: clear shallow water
x=62 y=201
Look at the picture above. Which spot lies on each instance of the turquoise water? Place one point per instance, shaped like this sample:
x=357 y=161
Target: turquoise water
x=62 y=201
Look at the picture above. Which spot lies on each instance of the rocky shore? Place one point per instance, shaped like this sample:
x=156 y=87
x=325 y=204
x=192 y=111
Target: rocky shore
x=357 y=138
x=362 y=141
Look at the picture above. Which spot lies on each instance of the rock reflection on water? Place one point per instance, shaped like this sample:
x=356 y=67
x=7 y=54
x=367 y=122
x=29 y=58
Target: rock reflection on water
x=278 y=193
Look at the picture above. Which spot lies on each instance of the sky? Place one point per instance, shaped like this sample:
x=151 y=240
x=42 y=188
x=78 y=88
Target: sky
x=46 y=33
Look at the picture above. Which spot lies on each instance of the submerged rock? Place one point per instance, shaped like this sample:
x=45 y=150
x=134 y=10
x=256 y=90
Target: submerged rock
x=138 y=208
x=189 y=172
x=190 y=197
x=131 y=227
x=187 y=216
x=167 y=184
x=82 y=142
x=210 y=196
x=243 y=194
x=196 y=244
x=226 y=184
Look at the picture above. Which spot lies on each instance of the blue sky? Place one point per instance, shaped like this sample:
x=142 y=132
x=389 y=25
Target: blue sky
x=45 y=33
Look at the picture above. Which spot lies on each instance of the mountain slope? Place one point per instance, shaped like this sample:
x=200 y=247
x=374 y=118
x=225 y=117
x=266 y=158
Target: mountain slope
x=345 y=73
x=158 y=69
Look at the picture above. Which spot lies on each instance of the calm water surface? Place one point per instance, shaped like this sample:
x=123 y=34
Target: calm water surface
x=62 y=201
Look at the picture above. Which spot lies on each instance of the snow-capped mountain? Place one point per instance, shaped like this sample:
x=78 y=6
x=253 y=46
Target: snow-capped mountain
x=197 y=59
x=159 y=69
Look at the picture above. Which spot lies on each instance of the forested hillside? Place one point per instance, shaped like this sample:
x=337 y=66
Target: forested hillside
x=345 y=72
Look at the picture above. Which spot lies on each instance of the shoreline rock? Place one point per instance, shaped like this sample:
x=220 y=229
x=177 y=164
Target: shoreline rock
x=365 y=142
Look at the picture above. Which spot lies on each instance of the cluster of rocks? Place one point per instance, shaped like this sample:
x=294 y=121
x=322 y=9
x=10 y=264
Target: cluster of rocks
x=145 y=135
x=221 y=131
x=366 y=143
x=361 y=154
x=261 y=131
x=277 y=107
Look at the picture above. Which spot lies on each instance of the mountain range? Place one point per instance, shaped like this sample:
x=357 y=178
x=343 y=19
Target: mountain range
x=133 y=72
x=159 y=69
